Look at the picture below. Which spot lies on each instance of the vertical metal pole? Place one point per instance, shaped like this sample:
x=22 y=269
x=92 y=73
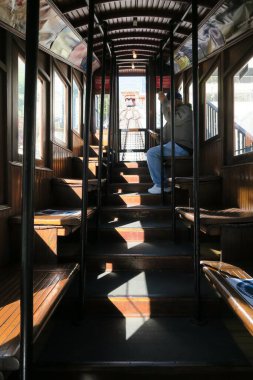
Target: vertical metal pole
x=110 y=130
x=117 y=131
x=155 y=92
x=31 y=72
x=100 y=154
x=172 y=121
x=161 y=127
x=148 y=108
x=86 y=135
x=195 y=82
x=113 y=108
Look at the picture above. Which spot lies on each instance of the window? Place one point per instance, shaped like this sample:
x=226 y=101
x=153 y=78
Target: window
x=60 y=111
x=40 y=113
x=211 y=105
x=3 y=158
x=21 y=100
x=106 y=111
x=243 y=103
x=158 y=114
x=76 y=107
x=181 y=88
x=190 y=93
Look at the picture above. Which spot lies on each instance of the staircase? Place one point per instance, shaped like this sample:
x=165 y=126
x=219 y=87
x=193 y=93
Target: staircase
x=140 y=304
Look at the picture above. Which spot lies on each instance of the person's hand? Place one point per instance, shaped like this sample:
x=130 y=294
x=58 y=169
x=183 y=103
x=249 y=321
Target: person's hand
x=161 y=96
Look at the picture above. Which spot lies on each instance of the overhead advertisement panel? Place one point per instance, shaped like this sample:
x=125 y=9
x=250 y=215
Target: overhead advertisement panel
x=56 y=34
x=231 y=19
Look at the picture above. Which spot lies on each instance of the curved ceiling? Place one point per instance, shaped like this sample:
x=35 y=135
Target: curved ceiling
x=152 y=16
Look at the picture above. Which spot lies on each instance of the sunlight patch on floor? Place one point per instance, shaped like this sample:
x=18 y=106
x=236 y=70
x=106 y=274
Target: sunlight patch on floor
x=136 y=310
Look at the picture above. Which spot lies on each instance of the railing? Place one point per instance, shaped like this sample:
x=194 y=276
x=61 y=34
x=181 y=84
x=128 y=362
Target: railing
x=241 y=136
x=211 y=120
x=132 y=144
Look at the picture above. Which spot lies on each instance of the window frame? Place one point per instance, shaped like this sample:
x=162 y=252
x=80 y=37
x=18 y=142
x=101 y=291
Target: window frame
x=18 y=53
x=231 y=159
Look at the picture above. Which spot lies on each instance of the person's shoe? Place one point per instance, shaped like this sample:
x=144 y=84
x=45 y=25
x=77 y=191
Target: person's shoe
x=157 y=190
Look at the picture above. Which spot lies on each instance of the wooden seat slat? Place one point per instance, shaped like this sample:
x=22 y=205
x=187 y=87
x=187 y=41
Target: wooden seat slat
x=43 y=217
x=218 y=274
x=212 y=220
x=41 y=293
x=8 y=333
x=49 y=286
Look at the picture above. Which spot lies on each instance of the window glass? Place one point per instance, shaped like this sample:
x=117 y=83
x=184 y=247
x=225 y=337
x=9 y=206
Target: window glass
x=60 y=95
x=211 y=105
x=76 y=107
x=181 y=88
x=39 y=111
x=21 y=100
x=158 y=113
x=243 y=115
x=190 y=93
x=106 y=110
x=84 y=100
x=39 y=121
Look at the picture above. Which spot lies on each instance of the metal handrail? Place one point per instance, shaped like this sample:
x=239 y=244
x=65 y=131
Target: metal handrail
x=195 y=82
x=31 y=73
x=100 y=153
x=86 y=135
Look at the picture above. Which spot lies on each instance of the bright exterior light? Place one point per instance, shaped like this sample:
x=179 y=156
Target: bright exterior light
x=134 y=54
x=133 y=67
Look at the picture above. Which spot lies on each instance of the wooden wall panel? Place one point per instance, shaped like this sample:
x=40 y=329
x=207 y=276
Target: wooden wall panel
x=42 y=200
x=61 y=161
x=4 y=234
x=238 y=186
x=211 y=158
x=77 y=145
x=42 y=187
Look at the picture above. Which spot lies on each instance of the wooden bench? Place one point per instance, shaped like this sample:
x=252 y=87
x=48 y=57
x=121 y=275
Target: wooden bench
x=235 y=286
x=183 y=165
x=77 y=167
x=224 y=223
x=210 y=189
x=94 y=150
x=48 y=225
x=49 y=286
x=68 y=192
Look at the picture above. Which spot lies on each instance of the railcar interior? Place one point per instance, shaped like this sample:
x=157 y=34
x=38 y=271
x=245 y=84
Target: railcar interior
x=101 y=278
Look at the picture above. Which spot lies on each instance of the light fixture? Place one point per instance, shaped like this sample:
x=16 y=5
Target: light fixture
x=135 y=21
x=134 y=54
x=133 y=67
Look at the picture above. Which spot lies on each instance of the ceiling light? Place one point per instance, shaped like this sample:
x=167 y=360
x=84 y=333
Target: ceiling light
x=134 y=54
x=133 y=67
x=135 y=21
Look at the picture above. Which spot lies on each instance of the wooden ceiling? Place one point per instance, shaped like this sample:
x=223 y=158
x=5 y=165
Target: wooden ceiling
x=153 y=18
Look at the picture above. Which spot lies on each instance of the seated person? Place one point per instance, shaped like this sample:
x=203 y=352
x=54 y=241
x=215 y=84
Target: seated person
x=183 y=139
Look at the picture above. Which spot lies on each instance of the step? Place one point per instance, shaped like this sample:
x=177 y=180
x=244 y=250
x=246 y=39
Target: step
x=141 y=371
x=129 y=187
x=135 y=199
x=147 y=294
x=138 y=231
x=123 y=170
x=131 y=164
x=139 y=256
x=131 y=178
x=133 y=213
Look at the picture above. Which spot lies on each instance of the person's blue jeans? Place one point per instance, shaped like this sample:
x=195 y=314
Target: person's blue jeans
x=154 y=161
